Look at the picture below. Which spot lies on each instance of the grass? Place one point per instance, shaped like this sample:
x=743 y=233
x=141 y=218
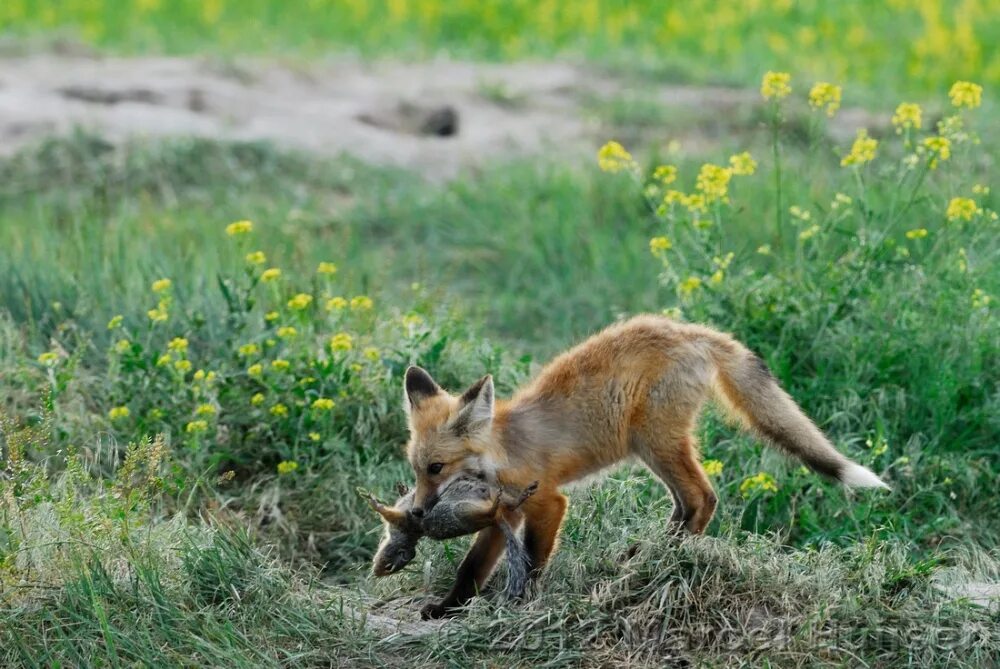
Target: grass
x=910 y=48
x=195 y=542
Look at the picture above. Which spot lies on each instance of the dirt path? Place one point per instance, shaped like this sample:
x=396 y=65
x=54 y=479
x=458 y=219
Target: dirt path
x=437 y=117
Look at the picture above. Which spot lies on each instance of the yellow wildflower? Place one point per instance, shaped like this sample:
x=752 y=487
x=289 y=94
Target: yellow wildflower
x=371 y=353
x=327 y=268
x=980 y=298
x=659 y=245
x=158 y=315
x=164 y=360
x=280 y=365
x=279 y=409
x=287 y=467
x=323 y=404
x=862 y=151
x=49 y=358
x=271 y=316
x=940 y=147
x=287 y=332
x=270 y=274
x=361 y=303
x=199 y=375
x=335 y=303
x=115 y=322
x=916 y=233
x=183 y=366
x=764 y=249
x=809 y=232
x=248 y=349
x=255 y=369
x=799 y=213
x=239 y=228
x=713 y=182
x=122 y=346
x=315 y=436
x=196 y=426
x=980 y=189
x=161 y=285
x=824 y=94
x=256 y=258
x=178 y=344
x=776 y=85
x=300 y=302
x=117 y=413
x=672 y=196
x=665 y=174
x=961 y=208
x=840 y=200
x=717 y=277
x=341 y=342
x=966 y=94
x=762 y=482
x=712 y=467
x=205 y=410
x=412 y=320
x=742 y=164
x=612 y=157
x=908 y=116
x=689 y=285
x=257 y=399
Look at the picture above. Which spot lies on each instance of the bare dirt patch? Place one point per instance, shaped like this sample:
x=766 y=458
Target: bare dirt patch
x=436 y=117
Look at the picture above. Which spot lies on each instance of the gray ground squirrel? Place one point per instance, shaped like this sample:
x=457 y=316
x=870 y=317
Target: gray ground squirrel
x=467 y=505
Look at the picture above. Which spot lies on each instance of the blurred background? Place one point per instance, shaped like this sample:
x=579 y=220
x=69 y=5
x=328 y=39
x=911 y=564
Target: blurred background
x=226 y=228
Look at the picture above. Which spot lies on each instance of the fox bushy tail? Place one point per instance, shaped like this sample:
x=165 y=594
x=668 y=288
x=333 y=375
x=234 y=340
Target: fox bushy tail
x=747 y=385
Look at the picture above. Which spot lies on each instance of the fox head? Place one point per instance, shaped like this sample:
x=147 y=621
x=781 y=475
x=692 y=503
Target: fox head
x=449 y=436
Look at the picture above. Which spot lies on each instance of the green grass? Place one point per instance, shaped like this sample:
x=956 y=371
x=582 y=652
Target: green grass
x=910 y=48
x=513 y=264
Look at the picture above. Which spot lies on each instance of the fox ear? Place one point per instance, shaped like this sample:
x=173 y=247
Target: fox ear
x=476 y=412
x=418 y=386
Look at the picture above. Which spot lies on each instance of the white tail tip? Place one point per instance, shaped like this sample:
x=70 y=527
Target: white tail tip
x=856 y=476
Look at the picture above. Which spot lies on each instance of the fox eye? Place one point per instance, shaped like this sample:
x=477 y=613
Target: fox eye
x=435 y=467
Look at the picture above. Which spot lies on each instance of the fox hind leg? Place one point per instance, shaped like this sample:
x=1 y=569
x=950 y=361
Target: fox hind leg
x=675 y=461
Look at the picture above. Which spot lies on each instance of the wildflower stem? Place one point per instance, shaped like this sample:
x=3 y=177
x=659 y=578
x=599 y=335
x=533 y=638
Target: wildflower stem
x=775 y=149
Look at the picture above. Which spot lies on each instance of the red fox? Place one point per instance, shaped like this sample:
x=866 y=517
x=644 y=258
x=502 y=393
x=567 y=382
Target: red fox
x=634 y=389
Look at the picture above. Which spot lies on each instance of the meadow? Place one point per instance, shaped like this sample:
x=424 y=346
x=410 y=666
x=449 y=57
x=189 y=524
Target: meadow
x=202 y=343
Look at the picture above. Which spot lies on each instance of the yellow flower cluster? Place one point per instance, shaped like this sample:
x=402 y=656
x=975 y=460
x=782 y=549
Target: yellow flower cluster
x=762 y=482
x=776 y=85
x=361 y=303
x=961 y=208
x=256 y=258
x=939 y=147
x=908 y=116
x=300 y=302
x=247 y=350
x=287 y=467
x=862 y=151
x=665 y=174
x=178 y=345
x=287 y=332
x=117 y=413
x=323 y=404
x=713 y=182
x=270 y=274
x=115 y=322
x=336 y=304
x=689 y=285
x=966 y=94
x=980 y=299
x=49 y=358
x=825 y=95
x=341 y=342
x=196 y=426
x=239 y=228
x=742 y=164
x=327 y=268
x=659 y=245
x=712 y=467
x=612 y=157
x=916 y=233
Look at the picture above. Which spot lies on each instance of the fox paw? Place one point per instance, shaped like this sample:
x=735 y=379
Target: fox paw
x=433 y=611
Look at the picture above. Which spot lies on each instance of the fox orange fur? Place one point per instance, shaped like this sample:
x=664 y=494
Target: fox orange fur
x=634 y=389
